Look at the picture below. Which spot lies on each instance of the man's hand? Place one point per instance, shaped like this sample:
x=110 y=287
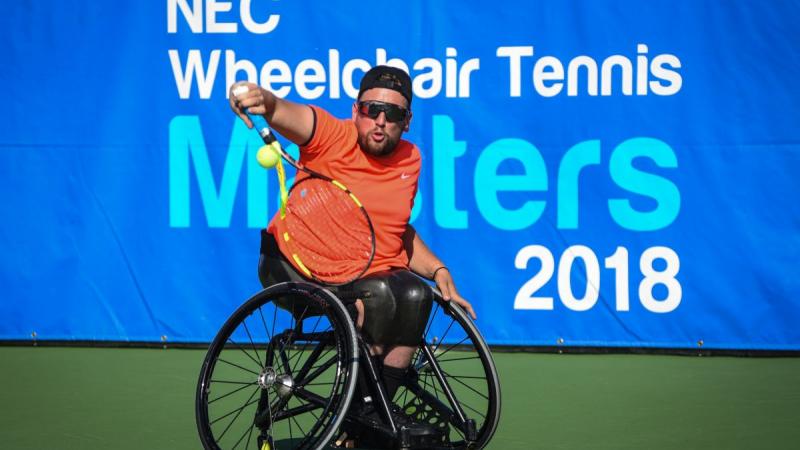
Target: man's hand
x=444 y=281
x=253 y=101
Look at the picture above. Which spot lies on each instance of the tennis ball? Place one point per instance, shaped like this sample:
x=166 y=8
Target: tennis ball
x=267 y=157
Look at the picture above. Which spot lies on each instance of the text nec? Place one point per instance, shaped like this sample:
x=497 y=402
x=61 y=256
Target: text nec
x=203 y=16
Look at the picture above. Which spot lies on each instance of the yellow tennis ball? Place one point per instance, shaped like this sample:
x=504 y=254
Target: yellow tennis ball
x=267 y=157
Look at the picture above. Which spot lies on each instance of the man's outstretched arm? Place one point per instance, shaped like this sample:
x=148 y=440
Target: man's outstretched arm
x=294 y=121
x=425 y=263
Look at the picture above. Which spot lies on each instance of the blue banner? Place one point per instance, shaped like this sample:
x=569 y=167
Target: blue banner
x=596 y=173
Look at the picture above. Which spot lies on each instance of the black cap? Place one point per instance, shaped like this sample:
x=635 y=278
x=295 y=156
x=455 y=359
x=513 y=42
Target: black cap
x=389 y=78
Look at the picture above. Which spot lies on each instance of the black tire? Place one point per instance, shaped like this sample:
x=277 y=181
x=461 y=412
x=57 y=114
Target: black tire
x=306 y=373
x=467 y=367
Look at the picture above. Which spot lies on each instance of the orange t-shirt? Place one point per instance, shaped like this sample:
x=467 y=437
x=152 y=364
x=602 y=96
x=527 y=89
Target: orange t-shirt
x=385 y=186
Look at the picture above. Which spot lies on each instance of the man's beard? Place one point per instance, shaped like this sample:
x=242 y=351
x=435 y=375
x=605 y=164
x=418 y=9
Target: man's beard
x=384 y=148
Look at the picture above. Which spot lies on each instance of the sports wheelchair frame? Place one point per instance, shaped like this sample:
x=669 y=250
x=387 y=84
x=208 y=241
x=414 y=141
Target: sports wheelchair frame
x=282 y=371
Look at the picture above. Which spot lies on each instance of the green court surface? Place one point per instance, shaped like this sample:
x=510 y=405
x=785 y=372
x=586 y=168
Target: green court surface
x=103 y=398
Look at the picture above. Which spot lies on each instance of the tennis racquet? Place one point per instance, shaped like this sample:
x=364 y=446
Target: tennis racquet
x=329 y=234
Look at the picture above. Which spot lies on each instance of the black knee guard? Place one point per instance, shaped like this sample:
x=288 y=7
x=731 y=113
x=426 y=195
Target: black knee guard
x=272 y=265
x=274 y=268
x=397 y=310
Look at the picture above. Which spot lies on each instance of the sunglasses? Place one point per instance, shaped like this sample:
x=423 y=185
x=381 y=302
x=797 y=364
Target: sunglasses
x=373 y=109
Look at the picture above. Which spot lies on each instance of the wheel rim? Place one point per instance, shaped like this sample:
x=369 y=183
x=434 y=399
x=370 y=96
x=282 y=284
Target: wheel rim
x=468 y=369
x=261 y=357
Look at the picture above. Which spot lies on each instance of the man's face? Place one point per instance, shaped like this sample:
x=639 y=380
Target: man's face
x=379 y=136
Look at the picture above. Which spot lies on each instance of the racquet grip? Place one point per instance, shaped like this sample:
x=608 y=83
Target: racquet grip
x=259 y=123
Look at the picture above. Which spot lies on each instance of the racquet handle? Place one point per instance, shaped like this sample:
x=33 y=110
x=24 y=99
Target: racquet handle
x=259 y=123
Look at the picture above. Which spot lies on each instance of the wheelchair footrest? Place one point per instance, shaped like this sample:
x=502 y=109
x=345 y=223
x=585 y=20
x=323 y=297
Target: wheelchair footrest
x=407 y=439
x=379 y=436
x=471 y=431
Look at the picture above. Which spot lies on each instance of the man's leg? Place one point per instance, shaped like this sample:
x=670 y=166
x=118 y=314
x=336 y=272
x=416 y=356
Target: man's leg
x=395 y=366
x=399 y=356
x=393 y=321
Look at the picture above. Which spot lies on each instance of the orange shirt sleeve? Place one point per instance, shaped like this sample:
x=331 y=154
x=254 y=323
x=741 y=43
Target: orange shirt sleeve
x=329 y=132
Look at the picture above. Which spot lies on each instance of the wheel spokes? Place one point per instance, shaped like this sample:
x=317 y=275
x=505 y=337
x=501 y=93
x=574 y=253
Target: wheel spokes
x=296 y=371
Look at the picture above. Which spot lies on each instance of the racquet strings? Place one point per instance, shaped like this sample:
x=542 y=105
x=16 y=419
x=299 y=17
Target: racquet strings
x=328 y=232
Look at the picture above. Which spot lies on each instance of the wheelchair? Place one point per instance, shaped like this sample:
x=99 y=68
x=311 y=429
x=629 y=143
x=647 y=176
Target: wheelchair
x=282 y=372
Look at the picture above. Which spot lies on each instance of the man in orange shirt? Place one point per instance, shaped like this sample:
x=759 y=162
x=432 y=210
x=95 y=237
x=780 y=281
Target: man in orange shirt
x=367 y=154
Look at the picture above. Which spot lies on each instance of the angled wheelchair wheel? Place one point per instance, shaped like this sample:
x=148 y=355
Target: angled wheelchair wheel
x=453 y=383
x=280 y=373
